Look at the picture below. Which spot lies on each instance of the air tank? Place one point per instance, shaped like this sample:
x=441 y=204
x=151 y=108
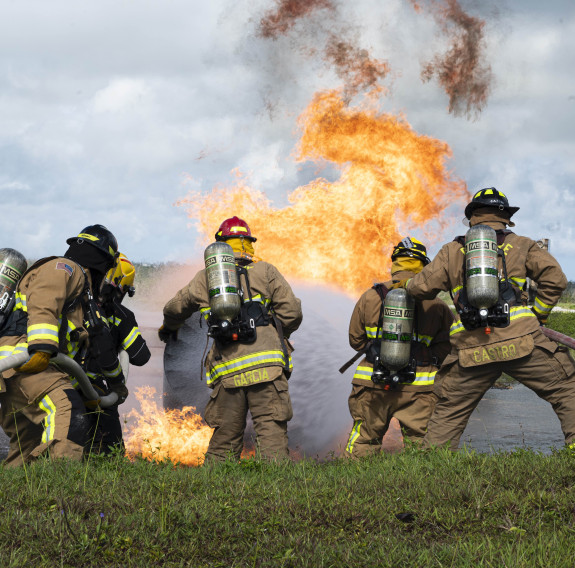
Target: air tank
x=481 y=267
x=222 y=280
x=397 y=329
x=12 y=266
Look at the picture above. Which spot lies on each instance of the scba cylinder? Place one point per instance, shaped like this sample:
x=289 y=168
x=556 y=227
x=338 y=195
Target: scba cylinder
x=481 y=267
x=12 y=266
x=222 y=280
x=397 y=330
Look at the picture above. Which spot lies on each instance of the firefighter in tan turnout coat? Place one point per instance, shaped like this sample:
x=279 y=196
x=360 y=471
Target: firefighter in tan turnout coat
x=373 y=404
x=479 y=356
x=245 y=376
x=40 y=410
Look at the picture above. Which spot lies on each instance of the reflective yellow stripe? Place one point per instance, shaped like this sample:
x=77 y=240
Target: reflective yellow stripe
x=42 y=331
x=521 y=312
x=424 y=379
x=113 y=320
x=456 y=327
x=425 y=339
x=355 y=431
x=455 y=290
x=514 y=314
x=132 y=336
x=519 y=282
x=49 y=408
x=205 y=312
x=541 y=308
x=363 y=373
x=421 y=378
x=7 y=350
x=274 y=357
x=113 y=373
x=371 y=331
x=20 y=303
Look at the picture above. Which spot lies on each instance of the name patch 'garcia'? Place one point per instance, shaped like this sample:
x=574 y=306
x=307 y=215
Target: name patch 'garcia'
x=499 y=352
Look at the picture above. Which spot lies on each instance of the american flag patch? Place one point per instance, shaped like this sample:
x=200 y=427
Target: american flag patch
x=66 y=267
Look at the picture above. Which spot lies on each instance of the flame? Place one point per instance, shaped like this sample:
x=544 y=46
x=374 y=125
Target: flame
x=159 y=435
x=334 y=233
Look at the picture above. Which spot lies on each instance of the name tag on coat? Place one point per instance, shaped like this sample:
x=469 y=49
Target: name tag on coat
x=499 y=352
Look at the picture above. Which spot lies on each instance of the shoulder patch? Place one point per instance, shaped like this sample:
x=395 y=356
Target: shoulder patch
x=65 y=267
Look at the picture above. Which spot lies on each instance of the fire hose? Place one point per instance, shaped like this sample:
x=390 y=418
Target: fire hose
x=558 y=337
x=69 y=366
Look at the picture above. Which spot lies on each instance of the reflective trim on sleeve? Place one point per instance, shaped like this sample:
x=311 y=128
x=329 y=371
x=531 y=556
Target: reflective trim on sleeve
x=541 y=308
x=49 y=408
x=43 y=332
x=371 y=333
x=20 y=302
x=354 y=435
x=7 y=350
x=274 y=357
x=519 y=282
x=131 y=337
x=455 y=290
x=456 y=327
x=114 y=373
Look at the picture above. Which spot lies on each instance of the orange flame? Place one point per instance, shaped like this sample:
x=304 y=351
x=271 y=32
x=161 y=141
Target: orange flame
x=159 y=435
x=334 y=233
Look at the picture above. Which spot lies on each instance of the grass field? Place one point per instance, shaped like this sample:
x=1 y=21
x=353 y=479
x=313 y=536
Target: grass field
x=410 y=509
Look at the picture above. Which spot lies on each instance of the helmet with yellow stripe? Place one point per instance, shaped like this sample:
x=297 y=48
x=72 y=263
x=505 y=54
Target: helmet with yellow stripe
x=119 y=280
x=489 y=197
x=411 y=247
x=100 y=237
x=234 y=228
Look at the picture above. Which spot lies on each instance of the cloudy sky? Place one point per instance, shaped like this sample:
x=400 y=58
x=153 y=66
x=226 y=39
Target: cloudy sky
x=111 y=111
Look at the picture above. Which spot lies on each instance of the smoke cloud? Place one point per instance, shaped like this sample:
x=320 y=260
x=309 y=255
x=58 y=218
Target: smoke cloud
x=461 y=72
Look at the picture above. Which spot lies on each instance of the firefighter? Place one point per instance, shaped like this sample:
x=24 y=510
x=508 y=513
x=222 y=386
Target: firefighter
x=504 y=338
x=40 y=410
x=374 y=402
x=249 y=374
x=106 y=433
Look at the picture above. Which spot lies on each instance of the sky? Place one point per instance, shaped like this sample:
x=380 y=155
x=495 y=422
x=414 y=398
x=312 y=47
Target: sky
x=112 y=111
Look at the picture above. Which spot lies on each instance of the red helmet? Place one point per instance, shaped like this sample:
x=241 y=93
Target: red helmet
x=232 y=228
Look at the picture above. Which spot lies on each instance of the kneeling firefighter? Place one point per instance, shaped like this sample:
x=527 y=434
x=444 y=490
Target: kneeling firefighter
x=404 y=344
x=106 y=433
x=39 y=408
x=251 y=311
x=495 y=332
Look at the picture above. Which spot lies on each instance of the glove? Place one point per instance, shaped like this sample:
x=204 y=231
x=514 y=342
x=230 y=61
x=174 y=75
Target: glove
x=120 y=389
x=93 y=404
x=400 y=284
x=165 y=333
x=36 y=364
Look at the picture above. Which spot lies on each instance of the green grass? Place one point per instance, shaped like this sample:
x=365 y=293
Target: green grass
x=465 y=509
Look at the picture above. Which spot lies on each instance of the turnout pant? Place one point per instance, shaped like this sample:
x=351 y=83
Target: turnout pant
x=270 y=407
x=372 y=410
x=40 y=421
x=551 y=374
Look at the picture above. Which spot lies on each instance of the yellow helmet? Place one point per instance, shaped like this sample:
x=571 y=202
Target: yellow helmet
x=119 y=279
